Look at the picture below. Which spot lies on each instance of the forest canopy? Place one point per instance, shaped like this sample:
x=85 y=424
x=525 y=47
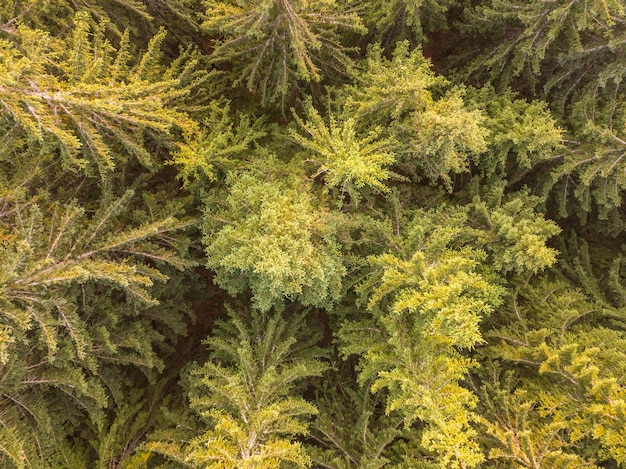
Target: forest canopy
x=273 y=234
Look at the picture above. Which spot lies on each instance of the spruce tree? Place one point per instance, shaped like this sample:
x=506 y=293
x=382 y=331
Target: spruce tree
x=551 y=394
x=87 y=102
x=244 y=394
x=276 y=47
x=82 y=248
x=571 y=54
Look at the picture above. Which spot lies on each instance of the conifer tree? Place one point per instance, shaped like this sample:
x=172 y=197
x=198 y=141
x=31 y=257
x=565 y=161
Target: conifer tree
x=219 y=145
x=346 y=162
x=434 y=136
x=65 y=283
x=351 y=429
x=269 y=238
x=426 y=299
x=81 y=256
x=87 y=102
x=392 y=224
x=52 y=16
x=399 y=20
x=276 y=46
x=245 y=394
x=572 y=54
x=551 y=393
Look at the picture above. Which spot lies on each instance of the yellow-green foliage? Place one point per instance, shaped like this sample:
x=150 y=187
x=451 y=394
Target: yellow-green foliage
x=215 y=147
x=521 y=135
x=426 y=303
x=341 y=157
x=85 y=99
x=367 y=238
x=516 y=236
x=550 y=333
x=271 y=238
x=245 y=395
x=391 y=88
x=433 y=135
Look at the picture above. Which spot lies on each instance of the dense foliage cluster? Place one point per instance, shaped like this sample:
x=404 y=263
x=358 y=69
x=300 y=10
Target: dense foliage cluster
x=254 y=234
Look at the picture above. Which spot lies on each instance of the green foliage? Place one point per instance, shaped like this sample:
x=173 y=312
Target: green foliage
x=526 y=435
x=246 y=394
x=351 y=428
x=522 y=135
x=593 y=171
x=274 y=47
x=544 y=32
x=398 y=20
x=345 y=160
x=49 y=250
x=61 y=332
x=216 y=147
x=393 y=220
x=426 y=304
x=560 y=403
x=389 y=89
x=572 y=54
x=271 y=238
x=85 y=100
x=442 y=138
x=52 y=16
x=426 y=300
x=516 y=236
x=434 y=133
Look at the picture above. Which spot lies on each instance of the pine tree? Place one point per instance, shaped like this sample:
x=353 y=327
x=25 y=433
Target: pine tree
x=52 y=16
x=523 y=138
x=434 y=136
x=221 y=144
x=82 y=255
x=351 y=429
x=376 y=228
x=539 y=35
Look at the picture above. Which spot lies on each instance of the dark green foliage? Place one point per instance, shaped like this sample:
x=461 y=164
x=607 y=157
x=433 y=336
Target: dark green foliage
x=398 y=20
x=541 y=35
x=72 y=291
x=351 y=429
x=275 y=47
x=573 y=55
x=81 y=327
